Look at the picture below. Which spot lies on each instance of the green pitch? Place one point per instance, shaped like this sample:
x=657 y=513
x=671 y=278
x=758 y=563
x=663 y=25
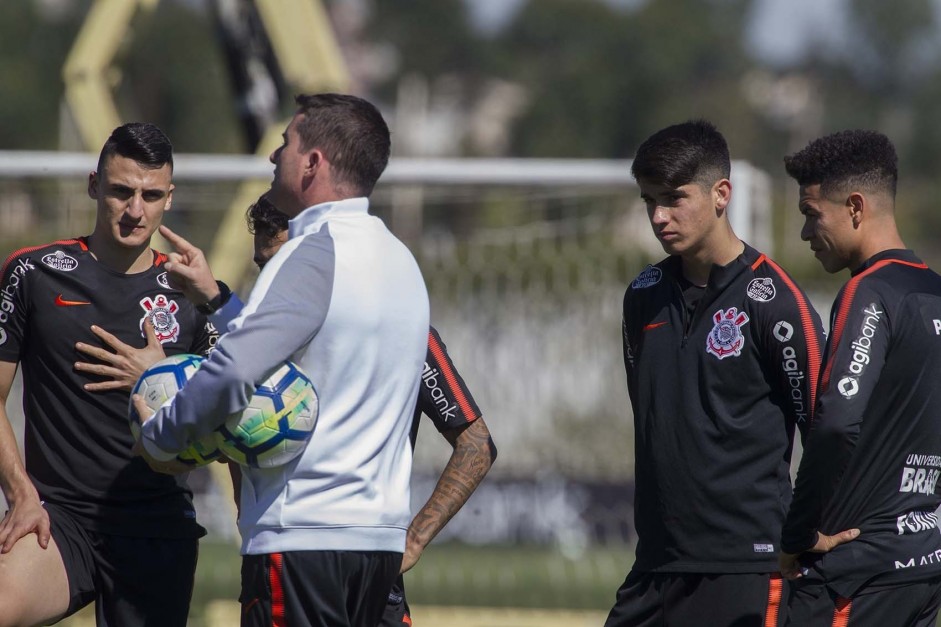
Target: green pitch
x=447 y=576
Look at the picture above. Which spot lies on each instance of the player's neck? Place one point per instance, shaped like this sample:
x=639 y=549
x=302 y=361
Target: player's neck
x=880 y=240
x=697 y=264
x=120 y=258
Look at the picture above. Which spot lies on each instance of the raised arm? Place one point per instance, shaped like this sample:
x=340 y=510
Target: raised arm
x=26 y=514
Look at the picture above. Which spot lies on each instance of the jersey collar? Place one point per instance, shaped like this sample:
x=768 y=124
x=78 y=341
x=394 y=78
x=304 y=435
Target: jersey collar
x=899 y=254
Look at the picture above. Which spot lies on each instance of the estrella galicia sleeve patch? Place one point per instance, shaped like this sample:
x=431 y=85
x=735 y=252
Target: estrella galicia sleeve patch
x=761 y=290
x=650 y=276
x=60 y=261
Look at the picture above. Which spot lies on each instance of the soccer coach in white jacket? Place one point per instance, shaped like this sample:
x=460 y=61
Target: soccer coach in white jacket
x=323 y=536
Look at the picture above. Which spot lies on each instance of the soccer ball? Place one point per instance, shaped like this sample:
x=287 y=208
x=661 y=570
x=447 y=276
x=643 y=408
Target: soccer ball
x=277 y=423
x=160 y=383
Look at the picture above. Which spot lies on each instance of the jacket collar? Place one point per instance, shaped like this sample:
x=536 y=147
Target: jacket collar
x=310 y=219
x=719 y=276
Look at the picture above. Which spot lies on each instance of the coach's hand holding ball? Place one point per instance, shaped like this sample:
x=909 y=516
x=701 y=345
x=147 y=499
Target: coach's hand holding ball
x=171 y=467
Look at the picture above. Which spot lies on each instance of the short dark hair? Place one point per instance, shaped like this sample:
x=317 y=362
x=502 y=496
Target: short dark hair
x=143 y=142
x=694 y=151
x=265 y=219
x=352 y=135
x=849 y=159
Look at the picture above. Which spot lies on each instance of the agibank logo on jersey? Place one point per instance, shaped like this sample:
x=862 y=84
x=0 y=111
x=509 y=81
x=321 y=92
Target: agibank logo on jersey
x=848 y=386
x=60 y=261
x=726 y=338
x=648 y=278
x=161 y=312
x=8 y=292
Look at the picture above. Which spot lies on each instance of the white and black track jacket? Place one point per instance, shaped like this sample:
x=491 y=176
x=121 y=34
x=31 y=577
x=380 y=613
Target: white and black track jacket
x=345 y=300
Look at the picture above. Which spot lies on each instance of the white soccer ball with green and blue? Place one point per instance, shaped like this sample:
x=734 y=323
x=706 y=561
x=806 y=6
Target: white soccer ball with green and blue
x=160 y=383
x=276 y=425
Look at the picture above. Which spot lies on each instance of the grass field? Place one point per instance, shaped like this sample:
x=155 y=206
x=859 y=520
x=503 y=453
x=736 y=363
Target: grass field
x=452 y=586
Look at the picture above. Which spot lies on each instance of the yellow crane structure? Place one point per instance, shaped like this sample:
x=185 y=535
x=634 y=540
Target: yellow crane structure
x=305 y=49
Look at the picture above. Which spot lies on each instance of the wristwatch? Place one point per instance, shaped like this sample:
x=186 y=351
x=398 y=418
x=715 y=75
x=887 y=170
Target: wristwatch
x=218 y=302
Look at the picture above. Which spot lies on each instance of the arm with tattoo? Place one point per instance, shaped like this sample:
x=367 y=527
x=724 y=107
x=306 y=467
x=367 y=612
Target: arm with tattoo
x=473 y=454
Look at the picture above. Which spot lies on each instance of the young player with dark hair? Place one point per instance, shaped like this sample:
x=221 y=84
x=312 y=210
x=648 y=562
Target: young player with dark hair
x=873 y=457
x=108 y=528
x=322 y=538
x=722 y=351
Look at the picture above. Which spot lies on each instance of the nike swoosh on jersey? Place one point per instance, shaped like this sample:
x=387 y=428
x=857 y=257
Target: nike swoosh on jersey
x=61 y=302
x=654 y=325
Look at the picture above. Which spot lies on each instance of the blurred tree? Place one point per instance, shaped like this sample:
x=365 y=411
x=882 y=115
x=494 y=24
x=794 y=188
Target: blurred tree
x=173 y=74
x=893 y=44
x=33 y=46
x=603 y=78
x=432 y=38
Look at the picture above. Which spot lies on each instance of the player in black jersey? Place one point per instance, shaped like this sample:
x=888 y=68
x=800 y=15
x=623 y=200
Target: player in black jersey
x=722 y=351
x=108 y=529
x=443 y=397
x=873 y=457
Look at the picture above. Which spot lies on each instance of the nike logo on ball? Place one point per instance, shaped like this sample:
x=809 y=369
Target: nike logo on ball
x=61 y=302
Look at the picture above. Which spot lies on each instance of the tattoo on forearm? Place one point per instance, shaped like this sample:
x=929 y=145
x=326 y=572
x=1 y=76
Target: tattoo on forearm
x=471 y=460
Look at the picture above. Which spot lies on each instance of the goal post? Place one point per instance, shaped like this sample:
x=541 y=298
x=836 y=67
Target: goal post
x=526 y=261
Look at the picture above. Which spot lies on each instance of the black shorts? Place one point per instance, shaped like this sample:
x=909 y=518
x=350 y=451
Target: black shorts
x=133 y=581
x=317 y=588
x=396 y=613
x=695 y=599
x=909 y=605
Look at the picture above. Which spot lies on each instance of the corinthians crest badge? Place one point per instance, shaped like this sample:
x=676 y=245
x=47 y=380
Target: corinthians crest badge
x=161 y=312
x=726 y=338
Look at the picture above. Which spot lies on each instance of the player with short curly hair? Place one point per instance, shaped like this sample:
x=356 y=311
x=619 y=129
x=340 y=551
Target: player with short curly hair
x=873 y=457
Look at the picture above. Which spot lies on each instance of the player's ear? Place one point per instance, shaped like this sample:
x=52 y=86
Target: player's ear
x=856 y=203
x=93 y=185
x=315 y=159
x=722 y=194
x=166 y=207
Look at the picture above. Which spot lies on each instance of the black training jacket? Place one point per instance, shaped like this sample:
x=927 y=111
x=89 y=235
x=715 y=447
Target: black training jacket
x=716 y=396
x=873 y=456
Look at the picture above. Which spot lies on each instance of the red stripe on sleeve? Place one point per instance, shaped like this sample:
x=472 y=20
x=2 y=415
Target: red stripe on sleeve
x=445 y=366
x=29 y=249
x=775 y=590
x=275 y=574
x=814 y=355
x=839 y=323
